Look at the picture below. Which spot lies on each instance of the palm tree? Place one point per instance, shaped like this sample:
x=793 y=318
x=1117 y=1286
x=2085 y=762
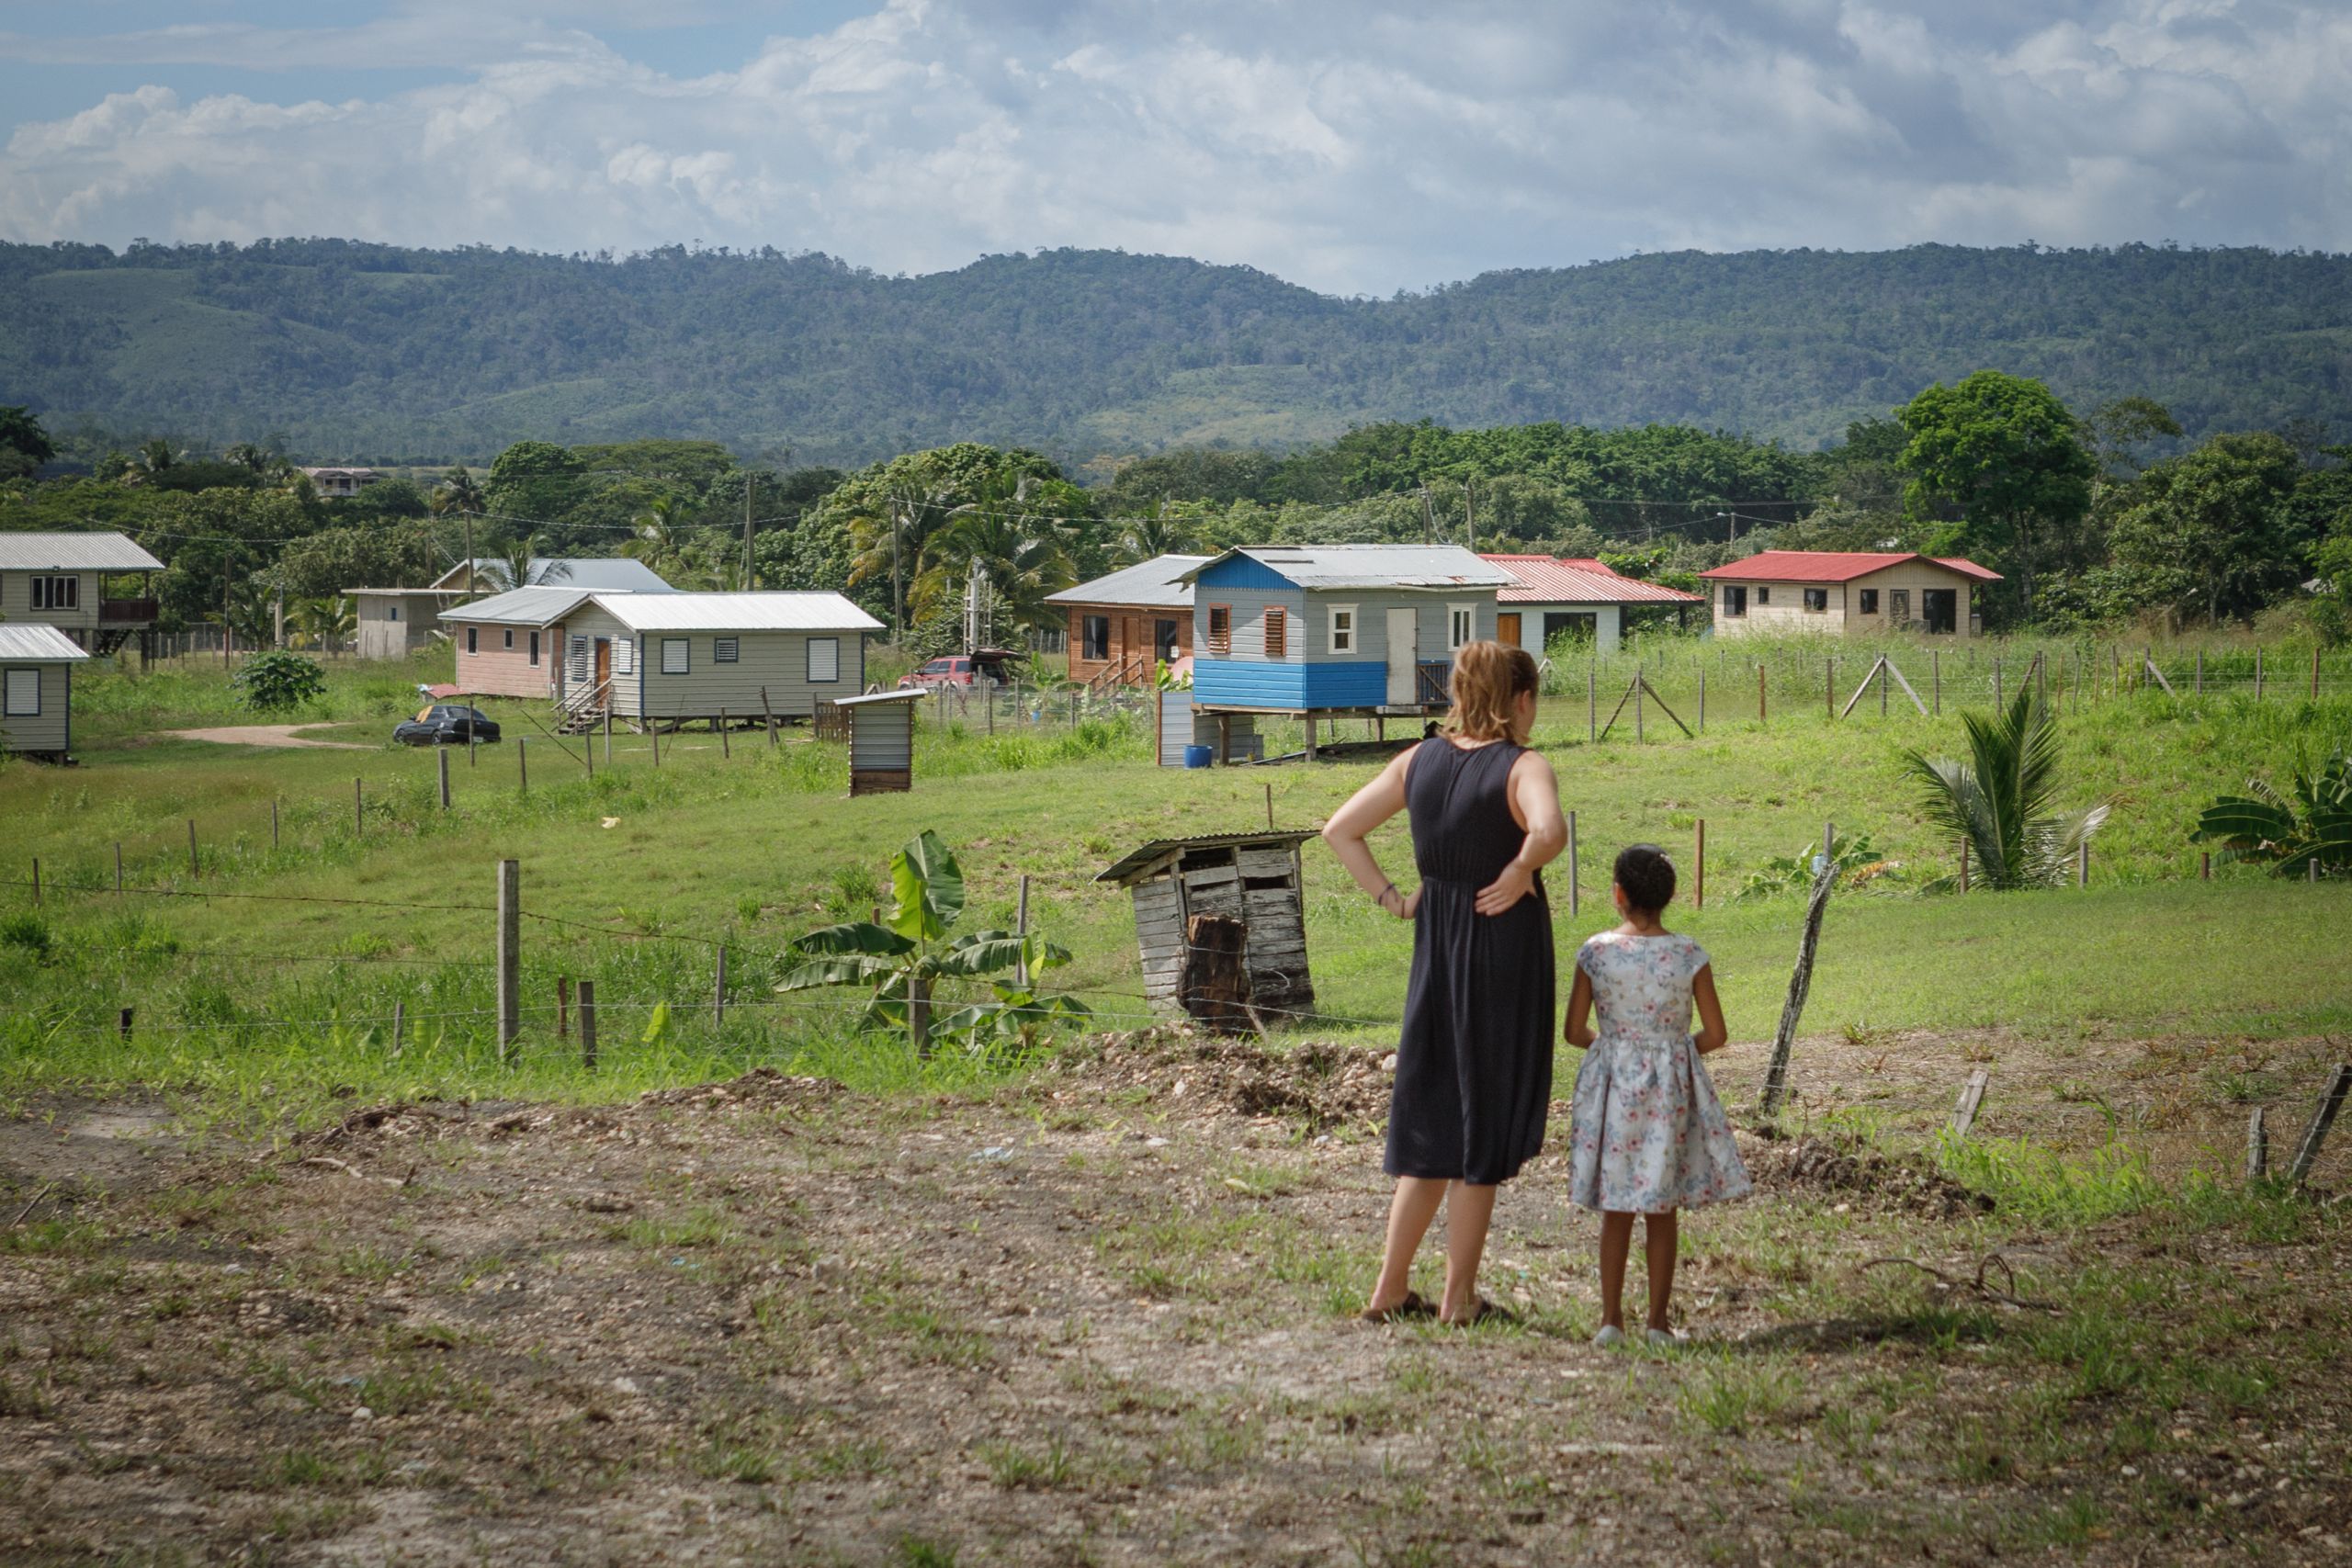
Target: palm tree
x=518 y=564
x=1023 y=555
x=1999 y=804
x=892 y=533
x=1160 y=534
x=327 y=622
x=659 y=538
x=457 y=493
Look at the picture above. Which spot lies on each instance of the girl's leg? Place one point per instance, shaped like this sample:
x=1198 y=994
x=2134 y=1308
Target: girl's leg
x=1468 y=1211
x=1616 y=1241
x=1409 y=1214
x=1659 y=1235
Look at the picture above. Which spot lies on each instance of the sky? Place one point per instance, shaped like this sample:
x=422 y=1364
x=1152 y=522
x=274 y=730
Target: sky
x=1355 y=148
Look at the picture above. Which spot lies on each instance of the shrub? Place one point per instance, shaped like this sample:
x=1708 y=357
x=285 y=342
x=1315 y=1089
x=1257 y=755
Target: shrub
x=277 y=681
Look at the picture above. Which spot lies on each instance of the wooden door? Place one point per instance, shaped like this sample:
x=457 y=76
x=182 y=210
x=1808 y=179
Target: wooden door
x=1506 y=627
x=1404 y=651
x=604 y=671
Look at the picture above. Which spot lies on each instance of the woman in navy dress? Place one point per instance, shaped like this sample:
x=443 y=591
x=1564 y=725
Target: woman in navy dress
x=1474 y=1063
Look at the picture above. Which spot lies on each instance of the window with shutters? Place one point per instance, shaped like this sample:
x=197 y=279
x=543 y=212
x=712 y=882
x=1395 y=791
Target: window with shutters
x=824 y=660
x=726 y=650
x=674 y=655
x=1220 y=629
x=24 y=693
x=580 y=659
x=1277 y=632
x=624 y=655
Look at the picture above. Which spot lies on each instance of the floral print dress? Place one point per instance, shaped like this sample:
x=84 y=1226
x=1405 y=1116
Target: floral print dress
x=1648 y=1134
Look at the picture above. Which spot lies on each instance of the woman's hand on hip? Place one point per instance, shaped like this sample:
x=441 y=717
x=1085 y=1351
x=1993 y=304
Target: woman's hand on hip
x=1410 y=906
x=1504 y=892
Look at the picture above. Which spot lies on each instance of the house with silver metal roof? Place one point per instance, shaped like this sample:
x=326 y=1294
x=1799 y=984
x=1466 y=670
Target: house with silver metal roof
x=647 y=659
x=37 y=690
x=396 y=622
x=1123 y=627
x=1319 y=629
x=64 y=581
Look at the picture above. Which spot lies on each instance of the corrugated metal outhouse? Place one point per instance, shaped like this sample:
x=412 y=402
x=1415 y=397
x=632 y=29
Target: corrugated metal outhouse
x=1253 y=879
x=881 y=740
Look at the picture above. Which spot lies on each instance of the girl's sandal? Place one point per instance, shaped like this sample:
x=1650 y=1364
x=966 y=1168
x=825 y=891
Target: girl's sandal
x=1485 y=1311
x=1411 y=1306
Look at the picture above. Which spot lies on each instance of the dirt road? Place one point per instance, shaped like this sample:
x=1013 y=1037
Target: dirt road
x=282 y=735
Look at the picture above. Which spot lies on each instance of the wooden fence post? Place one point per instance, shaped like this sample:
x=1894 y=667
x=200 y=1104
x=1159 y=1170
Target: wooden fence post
x=2332 y=1101
x=588 y=1024
x=1776 y=1075
x=1936 y=674
x=1021 y=930
x=1270 y=808
x=118 y=868
x=122 y=1022
x=563 y=1007
x=510 y=953
x=1829 y=686
x=1972 y=1099
x=1591 y=702
x=2258 y=1147
x=719 y=990
x=2201 y=671
x=1699 y=869
x=36 y=882
x=768 y=713
x=1641 y=686
x=358 y=811
x=1759 y=694
x=608 y=737
x=522 y=763
x=1999 y=698
x=192 y=868
x=2205 y=867
x=273 y=822
x=654 y=729
x=2257 y=672
x=2083 y=863
x=441 y=755
x=1702 y=699
x=725 y=751
x=1572 y=900
x=1963 y=866
x=398 y=1009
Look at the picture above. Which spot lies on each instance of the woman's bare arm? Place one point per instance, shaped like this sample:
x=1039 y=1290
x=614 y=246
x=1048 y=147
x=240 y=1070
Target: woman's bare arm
x=1535 y=801
x=1712 y=1034
x=1580 y=1031
x=1352 y=824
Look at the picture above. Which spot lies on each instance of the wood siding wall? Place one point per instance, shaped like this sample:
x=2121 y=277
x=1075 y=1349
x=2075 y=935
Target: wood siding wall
x=778 y=661
x=52 y=728
x=1131 y=633
x=17 y=600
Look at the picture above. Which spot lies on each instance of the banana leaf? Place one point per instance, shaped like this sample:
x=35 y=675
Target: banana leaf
x=929 y=886
x=858 y=937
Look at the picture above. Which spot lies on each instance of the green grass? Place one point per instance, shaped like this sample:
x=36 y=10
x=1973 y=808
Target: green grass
x=268 y=1004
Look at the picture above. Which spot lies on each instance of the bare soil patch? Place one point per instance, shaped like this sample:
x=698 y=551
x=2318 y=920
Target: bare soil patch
x=1104 y=1315
x=288 y=737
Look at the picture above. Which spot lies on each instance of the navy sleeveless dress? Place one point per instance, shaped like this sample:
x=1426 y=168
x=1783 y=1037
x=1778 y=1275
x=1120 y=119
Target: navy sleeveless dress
x=1473 y=1066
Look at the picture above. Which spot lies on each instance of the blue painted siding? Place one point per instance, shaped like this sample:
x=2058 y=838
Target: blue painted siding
x=1242 y=572
x=1255 y=683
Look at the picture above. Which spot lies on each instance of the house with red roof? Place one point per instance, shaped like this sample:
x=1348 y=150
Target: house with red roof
x=1849 y=591
x=1573 y=595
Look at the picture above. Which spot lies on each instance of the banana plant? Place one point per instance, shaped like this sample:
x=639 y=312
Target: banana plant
x=903 y=957
x=2264 y=824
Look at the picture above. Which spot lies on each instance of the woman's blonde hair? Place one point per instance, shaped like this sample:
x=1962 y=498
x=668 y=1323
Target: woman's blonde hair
x=1487 y=677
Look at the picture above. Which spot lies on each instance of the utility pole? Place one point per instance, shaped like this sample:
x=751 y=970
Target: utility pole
x=897 y=600
x=1469 y=517
x=1428 y=516
x=280 y=618
x=748 y=482
x=1730 y=526
x=469 y=549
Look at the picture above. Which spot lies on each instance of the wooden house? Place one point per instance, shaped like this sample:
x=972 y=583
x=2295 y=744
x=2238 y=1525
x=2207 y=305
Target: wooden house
x=63 y=580
x=1251 y=878
x=396 y=622
x=1553 y=596
x=881 y=740
x=37 y=690
x=666 y=659
x=1315 y=630
x=1123 y=627
x=1842 y=591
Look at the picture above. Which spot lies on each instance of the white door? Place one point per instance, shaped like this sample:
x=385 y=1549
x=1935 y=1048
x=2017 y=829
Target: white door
x=1403 y=634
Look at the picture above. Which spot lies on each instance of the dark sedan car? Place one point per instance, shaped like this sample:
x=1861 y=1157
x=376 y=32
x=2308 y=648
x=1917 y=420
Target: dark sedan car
x=446 y=724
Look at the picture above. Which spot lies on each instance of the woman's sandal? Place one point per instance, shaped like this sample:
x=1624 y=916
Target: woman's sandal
x=1411 y=1306
x=1485 y=1311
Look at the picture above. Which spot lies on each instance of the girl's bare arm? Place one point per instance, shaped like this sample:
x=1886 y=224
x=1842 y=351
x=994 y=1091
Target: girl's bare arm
x=1580 y=1031
x=1350 y=826
x=1712 y=1033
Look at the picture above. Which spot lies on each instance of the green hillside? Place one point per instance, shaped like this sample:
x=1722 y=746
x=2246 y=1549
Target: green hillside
x=376 y=353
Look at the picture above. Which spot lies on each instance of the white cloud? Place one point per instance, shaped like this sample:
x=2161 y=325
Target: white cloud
x=1355 y=147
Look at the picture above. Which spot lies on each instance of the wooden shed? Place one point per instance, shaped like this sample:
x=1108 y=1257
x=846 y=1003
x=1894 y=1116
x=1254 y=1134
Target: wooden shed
x=1250 y=878
x=37 y=690
x=881 y=740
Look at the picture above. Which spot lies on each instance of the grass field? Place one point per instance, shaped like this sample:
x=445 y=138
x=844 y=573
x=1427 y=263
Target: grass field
x=276 y=1293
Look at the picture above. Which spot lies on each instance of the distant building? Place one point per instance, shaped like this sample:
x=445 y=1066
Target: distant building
x=396 y=622
x=1336 y=628
x=1573 y=595
x=1123 y=627
x=1842 y=591
x=62 y=580
x=341 y=484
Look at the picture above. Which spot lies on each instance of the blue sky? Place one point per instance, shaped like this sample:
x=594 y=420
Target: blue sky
x=1359 y=147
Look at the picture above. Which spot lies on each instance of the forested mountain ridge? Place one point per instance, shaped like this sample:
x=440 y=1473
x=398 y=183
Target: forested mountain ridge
x=373 y=353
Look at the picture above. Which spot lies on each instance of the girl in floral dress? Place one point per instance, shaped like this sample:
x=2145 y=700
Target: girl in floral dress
x=1649 y=1136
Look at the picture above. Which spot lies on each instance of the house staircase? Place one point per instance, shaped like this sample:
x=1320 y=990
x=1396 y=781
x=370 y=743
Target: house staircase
x=582 y=708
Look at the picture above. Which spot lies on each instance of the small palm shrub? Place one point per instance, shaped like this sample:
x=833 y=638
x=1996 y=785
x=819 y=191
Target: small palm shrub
x=2002 y=802
x=2288 y=832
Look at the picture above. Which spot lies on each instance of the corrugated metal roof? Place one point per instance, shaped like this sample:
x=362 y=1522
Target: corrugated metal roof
x=74 y=552
x=37 y=645
x=1836 y=566
x=595 y=573
x=1553 y=579
x=1135 y=862
x=1371 y=565
x=520 y=607
x=737 y=613
x=1153 y=584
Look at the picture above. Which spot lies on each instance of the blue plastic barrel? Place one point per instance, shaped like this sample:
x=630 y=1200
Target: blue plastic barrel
x=1198 y=756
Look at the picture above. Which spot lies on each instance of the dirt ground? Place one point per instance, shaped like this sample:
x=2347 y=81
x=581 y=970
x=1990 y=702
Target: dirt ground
x=284 y=735
x=1105 y=1315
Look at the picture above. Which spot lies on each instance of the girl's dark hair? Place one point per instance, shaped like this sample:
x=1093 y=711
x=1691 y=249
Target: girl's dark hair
x=1648 y=877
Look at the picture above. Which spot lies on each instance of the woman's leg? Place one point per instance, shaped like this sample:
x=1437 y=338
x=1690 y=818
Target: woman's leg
x=1409 y=1214
x=1468 y=1212
x=1616 y=1241
x=1659 y=1235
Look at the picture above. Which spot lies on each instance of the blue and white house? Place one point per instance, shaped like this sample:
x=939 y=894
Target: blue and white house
x=1336 y=629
